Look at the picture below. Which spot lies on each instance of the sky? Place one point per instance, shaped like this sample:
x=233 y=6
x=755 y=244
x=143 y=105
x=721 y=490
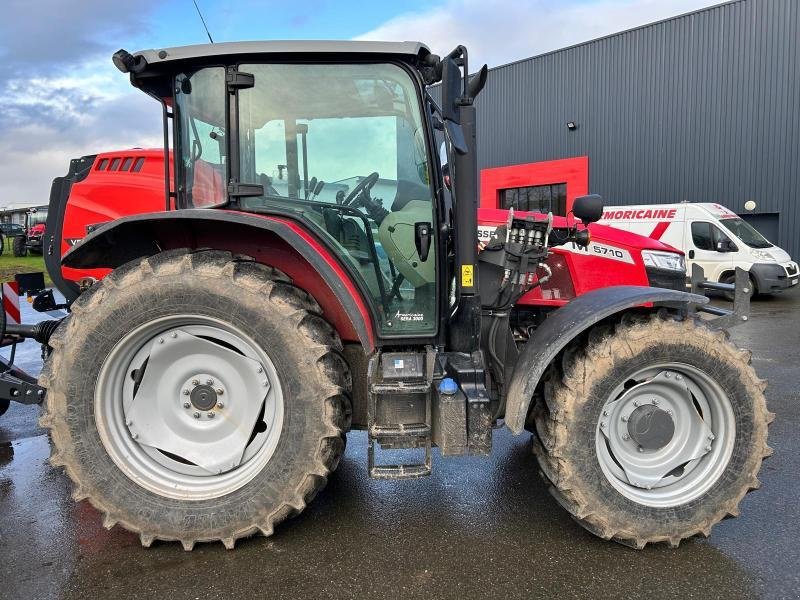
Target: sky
x=61 y=97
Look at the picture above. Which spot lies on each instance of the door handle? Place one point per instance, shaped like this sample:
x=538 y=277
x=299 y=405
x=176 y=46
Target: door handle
x=691 y=253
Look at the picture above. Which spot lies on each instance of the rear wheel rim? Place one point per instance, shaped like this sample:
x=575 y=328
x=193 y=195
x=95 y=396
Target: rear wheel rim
x=621 y=457
x=167 y=474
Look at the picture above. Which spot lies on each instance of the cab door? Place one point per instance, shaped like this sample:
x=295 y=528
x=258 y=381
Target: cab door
x=709 y=247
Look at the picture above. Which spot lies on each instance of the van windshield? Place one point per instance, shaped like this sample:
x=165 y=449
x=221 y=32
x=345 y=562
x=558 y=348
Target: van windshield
x=746 y=232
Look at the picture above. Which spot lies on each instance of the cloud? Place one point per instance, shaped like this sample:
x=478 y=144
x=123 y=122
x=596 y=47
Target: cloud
x=498 y=32
x=60 y=96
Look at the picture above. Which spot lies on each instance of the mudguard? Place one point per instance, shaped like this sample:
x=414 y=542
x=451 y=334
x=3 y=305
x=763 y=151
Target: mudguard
x=135 y=236
x=564 y=325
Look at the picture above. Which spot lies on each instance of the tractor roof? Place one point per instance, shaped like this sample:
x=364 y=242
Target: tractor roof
x=206 y=51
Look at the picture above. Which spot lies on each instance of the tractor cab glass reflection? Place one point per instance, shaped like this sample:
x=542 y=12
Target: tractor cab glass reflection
x=344 y=145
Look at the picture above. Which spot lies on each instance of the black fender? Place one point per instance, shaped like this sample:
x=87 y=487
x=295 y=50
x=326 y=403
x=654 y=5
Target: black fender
x=564 y=325
x=136 y=236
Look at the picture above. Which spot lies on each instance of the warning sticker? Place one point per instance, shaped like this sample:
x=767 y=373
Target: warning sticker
x=467 y=272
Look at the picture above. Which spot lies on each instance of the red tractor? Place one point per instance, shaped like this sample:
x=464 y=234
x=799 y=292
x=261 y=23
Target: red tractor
x=308 y=272
x=31 y=241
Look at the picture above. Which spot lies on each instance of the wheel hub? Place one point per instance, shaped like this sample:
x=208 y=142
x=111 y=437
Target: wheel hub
x=203 y=397
x=171 y=410
x=651 y=427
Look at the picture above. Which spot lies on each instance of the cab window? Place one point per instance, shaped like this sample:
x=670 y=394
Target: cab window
x=706 y=236
x=344 y=146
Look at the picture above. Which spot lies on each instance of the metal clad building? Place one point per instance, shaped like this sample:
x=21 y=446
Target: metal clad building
x=703 y=107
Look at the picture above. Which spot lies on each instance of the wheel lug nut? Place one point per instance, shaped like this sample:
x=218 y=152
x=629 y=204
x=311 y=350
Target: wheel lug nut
x=187 y=405
x=211 y=415
x=220 y=405
x=640 y=449
x=624 y=419
x=260 y=370
x=655 y=401
x=209 y=382
x=636 y=403
x=185 y=392
x=174 y=335
x=220 y=391
x=679 y=377
x=134 y=435
x=195 y=382
x=160 y=340
x=602 y=424
x=196 y=415
x=605 y=413
x=668 y=375
x=626 y=437
x=708 y=448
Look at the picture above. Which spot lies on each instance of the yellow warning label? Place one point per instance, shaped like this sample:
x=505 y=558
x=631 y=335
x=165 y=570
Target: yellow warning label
x=467 y=275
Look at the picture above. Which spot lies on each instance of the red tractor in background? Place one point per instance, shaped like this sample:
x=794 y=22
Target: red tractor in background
x=299 y=268
x=33 y=236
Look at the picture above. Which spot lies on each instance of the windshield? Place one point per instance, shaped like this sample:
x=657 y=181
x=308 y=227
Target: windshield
x=331 y=125
x=746 y=232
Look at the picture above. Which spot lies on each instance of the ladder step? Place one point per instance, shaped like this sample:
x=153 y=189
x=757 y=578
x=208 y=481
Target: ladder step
x=400 y=430
x=400 y=471
x=401 y=387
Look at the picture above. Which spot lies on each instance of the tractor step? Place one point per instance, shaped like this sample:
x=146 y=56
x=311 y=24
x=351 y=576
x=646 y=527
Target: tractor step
x=399 y=411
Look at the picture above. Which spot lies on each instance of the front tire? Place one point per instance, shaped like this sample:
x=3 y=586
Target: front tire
x=139 y=363
x=653 y=431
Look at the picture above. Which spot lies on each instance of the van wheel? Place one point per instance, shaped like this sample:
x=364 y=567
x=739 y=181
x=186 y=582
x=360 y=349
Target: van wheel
x=752 y=287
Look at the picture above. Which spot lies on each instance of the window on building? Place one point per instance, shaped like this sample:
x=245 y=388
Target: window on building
x=537 y=198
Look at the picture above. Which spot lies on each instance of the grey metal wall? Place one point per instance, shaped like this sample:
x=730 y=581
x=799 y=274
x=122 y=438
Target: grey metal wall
x=703 y=107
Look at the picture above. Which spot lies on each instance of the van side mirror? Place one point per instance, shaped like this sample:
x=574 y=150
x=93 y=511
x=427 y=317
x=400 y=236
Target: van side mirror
x=726 y=246
x=588 y=208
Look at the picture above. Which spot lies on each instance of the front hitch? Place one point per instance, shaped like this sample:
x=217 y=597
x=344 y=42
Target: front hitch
x=723 y=317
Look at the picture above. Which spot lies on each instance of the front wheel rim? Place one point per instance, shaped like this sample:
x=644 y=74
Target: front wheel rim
x=145 y=452
x=655 y=468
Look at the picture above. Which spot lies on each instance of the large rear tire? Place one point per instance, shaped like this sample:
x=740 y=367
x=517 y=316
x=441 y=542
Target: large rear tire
x=18 y=246
x=4 y=405
x=653 y=430
x=147 y=357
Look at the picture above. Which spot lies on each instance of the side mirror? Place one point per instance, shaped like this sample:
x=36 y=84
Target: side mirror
x=588 y=208
x=451 y=109
x=726 y=246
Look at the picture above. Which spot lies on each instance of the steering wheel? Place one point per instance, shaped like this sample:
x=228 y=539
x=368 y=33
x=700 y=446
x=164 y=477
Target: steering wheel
x=365 y=185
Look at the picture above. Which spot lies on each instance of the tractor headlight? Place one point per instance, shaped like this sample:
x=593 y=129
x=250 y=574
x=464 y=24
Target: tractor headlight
x=664 y=260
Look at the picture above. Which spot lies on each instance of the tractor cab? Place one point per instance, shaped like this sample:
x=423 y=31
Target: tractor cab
x=339 y=139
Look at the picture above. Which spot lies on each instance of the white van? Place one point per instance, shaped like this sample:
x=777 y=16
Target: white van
x=713 y=237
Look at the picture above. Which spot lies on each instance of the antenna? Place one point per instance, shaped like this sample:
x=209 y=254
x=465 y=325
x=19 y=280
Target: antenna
x=203 y=20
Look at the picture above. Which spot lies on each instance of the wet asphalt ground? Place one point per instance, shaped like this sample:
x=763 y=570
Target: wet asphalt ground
x=477 y=528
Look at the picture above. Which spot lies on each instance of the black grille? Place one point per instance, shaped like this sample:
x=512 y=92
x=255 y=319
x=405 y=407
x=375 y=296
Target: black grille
x=666 y=278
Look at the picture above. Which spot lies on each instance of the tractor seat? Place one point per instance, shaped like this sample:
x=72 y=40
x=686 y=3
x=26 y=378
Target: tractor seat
x=408 y=191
